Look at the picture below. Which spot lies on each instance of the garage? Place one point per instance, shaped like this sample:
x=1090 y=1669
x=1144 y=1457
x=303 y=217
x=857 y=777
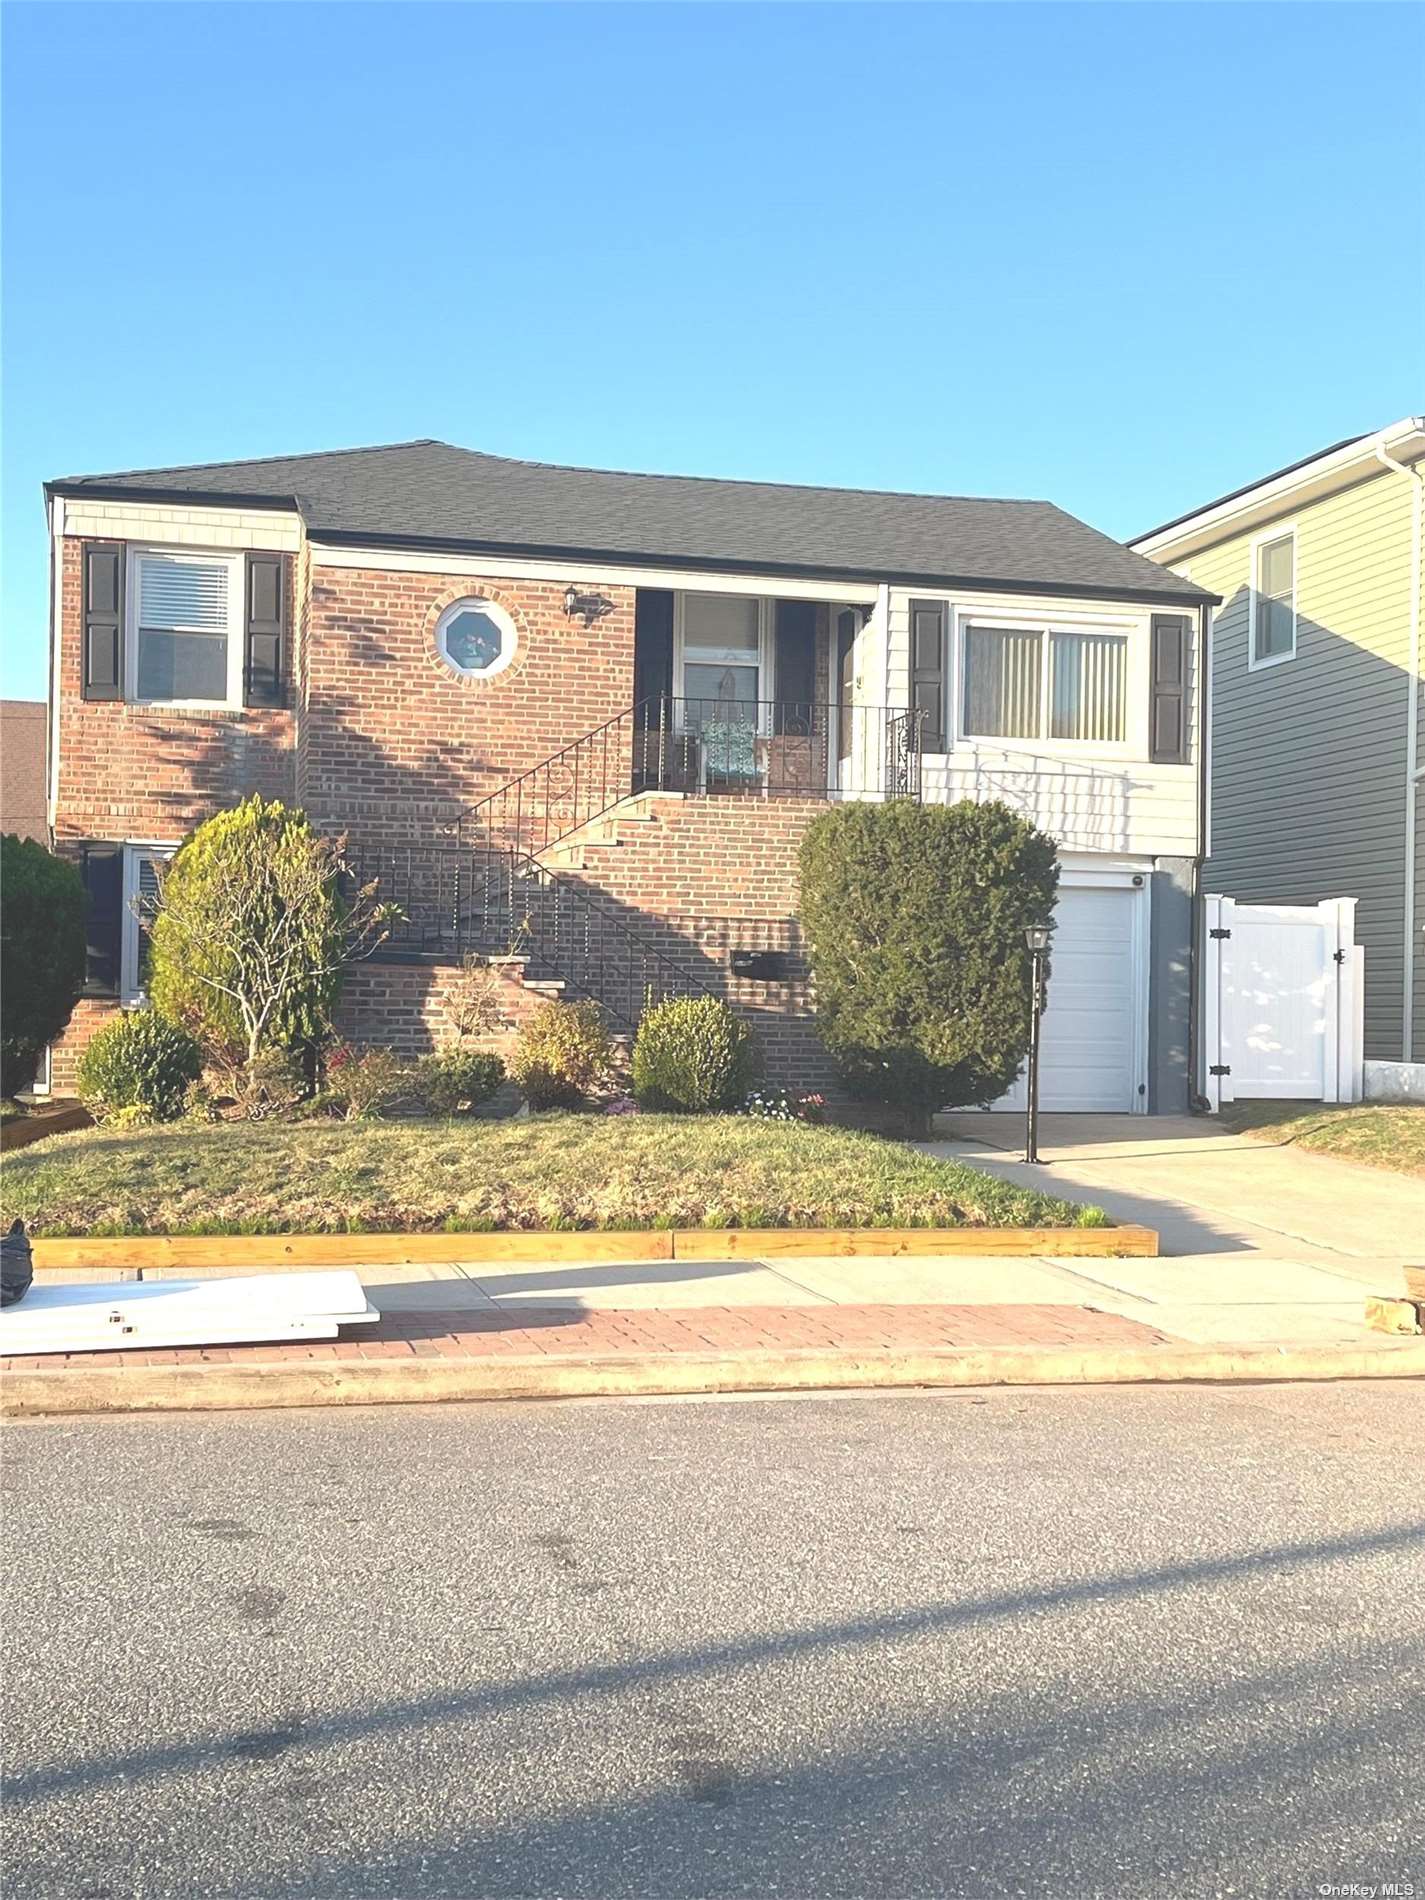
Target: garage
x=1093 y=1055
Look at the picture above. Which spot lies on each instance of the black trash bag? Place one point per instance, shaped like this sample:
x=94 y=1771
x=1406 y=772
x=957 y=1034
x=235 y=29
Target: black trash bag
x=17 y=1265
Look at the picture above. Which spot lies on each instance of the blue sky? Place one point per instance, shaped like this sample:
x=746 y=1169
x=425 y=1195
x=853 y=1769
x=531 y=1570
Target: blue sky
x=1122 y=256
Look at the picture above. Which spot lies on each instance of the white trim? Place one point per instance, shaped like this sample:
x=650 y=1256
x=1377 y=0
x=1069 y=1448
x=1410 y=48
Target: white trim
x=135 y=551
x=1283 y=531
x=508 y=567
x=1322 y=475
x=57 y=651
x=130 y=995
x=492 y=610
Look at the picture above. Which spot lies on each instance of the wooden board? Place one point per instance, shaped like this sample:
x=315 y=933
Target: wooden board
x=249 y=1253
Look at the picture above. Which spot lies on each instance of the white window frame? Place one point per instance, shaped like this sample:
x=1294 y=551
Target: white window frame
x=765 y=657
x=237 y=610
x=130 y=995
x=477 y=603
x=1133 y=744
x=1268 y=538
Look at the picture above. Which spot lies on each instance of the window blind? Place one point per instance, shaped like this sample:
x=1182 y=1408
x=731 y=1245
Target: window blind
x=183 y=596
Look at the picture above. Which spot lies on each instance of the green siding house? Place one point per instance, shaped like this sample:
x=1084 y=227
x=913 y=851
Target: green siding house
x=1315 y=746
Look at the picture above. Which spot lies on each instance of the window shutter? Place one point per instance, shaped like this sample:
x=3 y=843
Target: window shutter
x=102 y=867
x=1167 y=715
x=927 y=670
x=266 y=630
x=103 y=657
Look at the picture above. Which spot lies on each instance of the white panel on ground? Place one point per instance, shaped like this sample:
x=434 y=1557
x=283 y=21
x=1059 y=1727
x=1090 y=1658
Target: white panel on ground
x=258 y=1309
x=1088 y=1057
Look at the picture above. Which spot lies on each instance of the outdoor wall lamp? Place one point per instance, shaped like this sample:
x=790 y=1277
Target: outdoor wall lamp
x=1036 y=936
x=589 y=606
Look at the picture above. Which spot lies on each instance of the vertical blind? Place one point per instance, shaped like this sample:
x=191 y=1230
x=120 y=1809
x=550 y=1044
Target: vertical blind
x=1088 y=686
x=1005 y=686
x=1002 y=682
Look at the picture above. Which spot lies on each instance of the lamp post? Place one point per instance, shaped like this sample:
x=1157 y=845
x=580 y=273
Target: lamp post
x=1037 y=938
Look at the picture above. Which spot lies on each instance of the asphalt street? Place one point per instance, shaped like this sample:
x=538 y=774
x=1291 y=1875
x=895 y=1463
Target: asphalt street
x=1083 y=1642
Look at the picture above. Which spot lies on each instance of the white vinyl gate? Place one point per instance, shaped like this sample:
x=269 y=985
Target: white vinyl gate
x=1282 y=1001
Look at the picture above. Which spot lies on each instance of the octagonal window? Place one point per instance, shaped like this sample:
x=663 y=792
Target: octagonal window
x=475 y=638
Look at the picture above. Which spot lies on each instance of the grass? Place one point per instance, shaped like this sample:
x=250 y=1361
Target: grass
x=550 y=1173
x=1378 y=1134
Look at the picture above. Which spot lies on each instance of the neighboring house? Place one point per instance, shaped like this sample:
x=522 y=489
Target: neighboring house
x=585 y=717
x=22 y=768
x=1315 y=740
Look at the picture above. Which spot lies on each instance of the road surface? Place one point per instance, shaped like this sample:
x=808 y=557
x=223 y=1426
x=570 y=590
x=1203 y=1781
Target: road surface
x=1093 y=1642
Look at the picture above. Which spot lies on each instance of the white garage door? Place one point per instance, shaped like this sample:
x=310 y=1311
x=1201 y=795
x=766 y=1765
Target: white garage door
x=1090 y=1057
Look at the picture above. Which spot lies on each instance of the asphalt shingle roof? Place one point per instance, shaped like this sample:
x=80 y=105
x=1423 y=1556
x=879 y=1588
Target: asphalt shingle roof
x=433 y=492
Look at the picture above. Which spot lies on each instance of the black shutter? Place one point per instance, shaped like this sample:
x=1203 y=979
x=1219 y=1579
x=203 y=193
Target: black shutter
x=264 y=668
x=1167 y=713
x=103 y=661
x=927 y=670
x=102 y=866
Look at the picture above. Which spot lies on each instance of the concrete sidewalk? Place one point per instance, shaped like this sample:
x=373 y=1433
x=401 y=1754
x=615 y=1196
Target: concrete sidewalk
x=1206 y=1190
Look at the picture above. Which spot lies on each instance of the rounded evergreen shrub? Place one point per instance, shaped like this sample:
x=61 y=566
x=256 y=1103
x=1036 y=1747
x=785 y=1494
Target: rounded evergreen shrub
x=41 y=954
x=914 y=918
x=454 y=1079
x=562 y=1054
x=138 y=1068
x=693 y=1056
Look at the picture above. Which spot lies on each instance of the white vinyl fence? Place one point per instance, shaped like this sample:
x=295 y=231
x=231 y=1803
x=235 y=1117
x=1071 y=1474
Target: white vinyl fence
x=1283 y=998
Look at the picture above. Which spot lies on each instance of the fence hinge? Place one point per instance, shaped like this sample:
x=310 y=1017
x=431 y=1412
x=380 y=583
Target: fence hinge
x=1338 y=956
x=1219 y=933
x=1219 y=1068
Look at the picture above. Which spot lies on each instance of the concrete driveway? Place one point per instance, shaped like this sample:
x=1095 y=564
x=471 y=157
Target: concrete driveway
x=1208 y=1191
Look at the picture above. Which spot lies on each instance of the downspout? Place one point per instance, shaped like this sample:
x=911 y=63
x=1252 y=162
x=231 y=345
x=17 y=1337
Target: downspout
x=1412 y=746
x=1198 y=1104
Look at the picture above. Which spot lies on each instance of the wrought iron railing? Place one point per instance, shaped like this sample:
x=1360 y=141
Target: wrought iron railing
x=457 y=902
x=772 y=748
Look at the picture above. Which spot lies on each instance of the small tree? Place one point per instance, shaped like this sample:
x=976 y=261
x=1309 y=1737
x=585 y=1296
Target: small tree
x=914 y=917
x=253 y=932
x=42 y=909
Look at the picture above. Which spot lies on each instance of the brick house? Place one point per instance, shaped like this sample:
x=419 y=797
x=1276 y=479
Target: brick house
x=577 y=722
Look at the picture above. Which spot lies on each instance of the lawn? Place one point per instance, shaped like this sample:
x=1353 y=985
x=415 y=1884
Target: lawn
x=1380 y=1134
x=552 y=1172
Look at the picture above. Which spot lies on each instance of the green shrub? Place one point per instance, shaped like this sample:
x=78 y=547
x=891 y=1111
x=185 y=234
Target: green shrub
x=693 y=1056
x=562 y=1054
x=42 y=909
x=138 y=1068
x=254 y=927
x=914 y=918
x=458 y=1078
x=362 y=1082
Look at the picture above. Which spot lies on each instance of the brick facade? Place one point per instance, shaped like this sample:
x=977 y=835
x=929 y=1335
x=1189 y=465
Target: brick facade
x=382 y=740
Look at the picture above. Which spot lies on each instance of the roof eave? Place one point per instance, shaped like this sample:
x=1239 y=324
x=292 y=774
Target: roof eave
x=1184 y=592
x=68 y=486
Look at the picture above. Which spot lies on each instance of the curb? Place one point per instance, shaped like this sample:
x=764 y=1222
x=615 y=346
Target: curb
x=226 y=1388
x=280 y=1253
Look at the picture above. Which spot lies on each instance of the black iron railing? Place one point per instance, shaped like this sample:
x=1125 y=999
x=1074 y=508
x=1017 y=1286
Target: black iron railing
x=456 y=902
x=713 y=745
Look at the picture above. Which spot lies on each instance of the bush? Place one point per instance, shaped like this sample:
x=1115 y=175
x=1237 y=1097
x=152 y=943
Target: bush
x=138 y=1068
x=914 y=918
x=693 y=1056
x=253 y=931
x=562 y=1054
x=457 y=1078
x=41 y=954
x=361 y=1082
x=270 y=1086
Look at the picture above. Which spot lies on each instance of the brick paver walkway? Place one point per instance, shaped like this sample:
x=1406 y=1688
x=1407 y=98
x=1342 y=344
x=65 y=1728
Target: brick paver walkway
x=524 y=1331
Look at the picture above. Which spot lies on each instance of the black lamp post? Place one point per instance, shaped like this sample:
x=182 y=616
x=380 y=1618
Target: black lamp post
x=1037 y=937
